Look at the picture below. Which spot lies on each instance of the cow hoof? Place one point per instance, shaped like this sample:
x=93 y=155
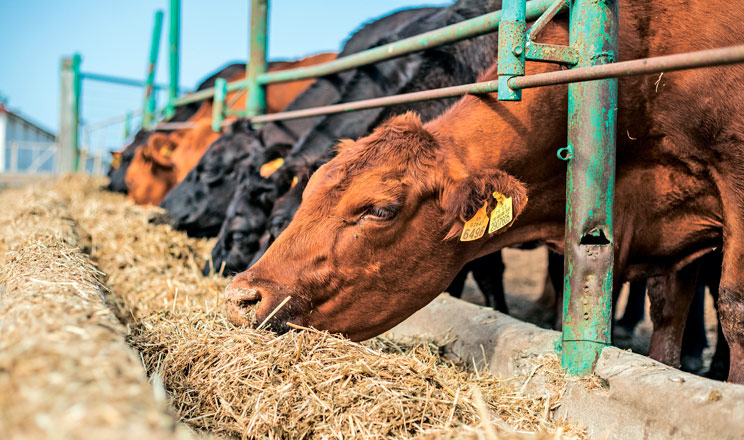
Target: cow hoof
x=692 y=364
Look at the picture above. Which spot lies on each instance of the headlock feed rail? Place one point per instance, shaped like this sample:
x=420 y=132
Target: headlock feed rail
x=592 y=112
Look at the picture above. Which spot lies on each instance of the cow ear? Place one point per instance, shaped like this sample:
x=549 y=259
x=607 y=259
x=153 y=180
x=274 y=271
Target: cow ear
x=115 y=159
x=503 y=196
x=160 y=150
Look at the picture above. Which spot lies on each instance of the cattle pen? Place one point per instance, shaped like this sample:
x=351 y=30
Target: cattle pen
x=451 y=370
x=592 y=73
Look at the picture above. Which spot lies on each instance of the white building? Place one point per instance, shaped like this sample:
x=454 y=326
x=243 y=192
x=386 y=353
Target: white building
x=24 y=146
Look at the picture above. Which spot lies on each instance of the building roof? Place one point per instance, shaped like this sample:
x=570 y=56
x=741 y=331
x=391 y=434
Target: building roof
x=4 y=110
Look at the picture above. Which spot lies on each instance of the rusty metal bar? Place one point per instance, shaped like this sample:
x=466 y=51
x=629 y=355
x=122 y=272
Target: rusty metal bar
x=545 y=18
x=706 y=58
x=668 y=63
x=168 y=126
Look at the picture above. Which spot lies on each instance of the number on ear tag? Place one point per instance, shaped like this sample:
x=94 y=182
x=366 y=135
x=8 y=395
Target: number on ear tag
x=476 y=226
x=502 y=214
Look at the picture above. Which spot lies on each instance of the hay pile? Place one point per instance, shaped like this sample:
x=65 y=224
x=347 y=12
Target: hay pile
x=65 y=369
x=305 y=384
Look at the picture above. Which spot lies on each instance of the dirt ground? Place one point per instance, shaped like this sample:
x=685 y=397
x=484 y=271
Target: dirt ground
x=524 y=281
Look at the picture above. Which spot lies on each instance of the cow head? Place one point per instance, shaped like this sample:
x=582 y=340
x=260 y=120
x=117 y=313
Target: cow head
x=377 y=235
x=198 y=203
x=245 y=221
x=152 y=172
x=117 y=174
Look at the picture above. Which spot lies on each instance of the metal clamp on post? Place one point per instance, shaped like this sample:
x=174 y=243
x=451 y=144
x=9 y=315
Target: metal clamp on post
x=511 y=47
x=218 y=103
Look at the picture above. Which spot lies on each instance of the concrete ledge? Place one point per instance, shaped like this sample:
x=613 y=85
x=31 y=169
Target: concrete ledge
x=643 y=398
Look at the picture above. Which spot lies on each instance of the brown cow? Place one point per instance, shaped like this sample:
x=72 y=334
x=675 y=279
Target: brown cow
x=376 y=236
x=167 y=157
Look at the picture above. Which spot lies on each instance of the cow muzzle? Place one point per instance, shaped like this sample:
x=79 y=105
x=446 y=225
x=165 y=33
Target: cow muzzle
x=261 y=304
x=240 y=304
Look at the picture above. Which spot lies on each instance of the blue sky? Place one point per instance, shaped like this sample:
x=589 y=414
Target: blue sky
x=114 y=38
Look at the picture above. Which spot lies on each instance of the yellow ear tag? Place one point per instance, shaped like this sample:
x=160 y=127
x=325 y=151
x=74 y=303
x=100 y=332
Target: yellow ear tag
x=165 y=152
x=294 y=182
x=502 y=214
x=269 y=168
x=476 y=226
x=115 y=161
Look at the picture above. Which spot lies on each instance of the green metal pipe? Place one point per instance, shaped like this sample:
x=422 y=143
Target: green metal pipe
x=706 y=58
x=590 y=189
x=255 y=102
x=127 y=125
x=149 y=105
x=218 y=105
x=511 y=47
x=77 y=90
x=473 y=27
x=174 y=30
x=464 y=30
x=118 y=80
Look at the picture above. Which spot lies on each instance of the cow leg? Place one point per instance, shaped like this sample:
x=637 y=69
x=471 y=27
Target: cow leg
x=670 y=297
x=710 y=274
x=635 y=309
x=488 y=272
x=694 y=339
x=555 y=273
x=731 y=307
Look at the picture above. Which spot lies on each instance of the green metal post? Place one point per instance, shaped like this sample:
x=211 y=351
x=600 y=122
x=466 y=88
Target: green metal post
x=590 y=189
x=149 y=106
x=173 y=50
x=69 y=115
x=256 y=96
x=511 y=47
x=127 y=125
x=218 y=105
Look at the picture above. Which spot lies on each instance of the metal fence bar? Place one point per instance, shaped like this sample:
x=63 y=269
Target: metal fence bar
x=149 y=105
x=118 y=80
x=174 y=29
x=464 y=30
x=705 y=58
x=590 y=190
x=668 y=63
x=255 y=103
x=69 y=114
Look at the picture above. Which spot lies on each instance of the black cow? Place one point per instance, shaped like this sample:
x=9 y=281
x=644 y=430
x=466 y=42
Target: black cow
x=440 y=67
x=198 y=203
x=182 y=113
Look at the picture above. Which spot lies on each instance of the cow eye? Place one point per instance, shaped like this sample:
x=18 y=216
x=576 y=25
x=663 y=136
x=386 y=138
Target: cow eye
x=382 y=212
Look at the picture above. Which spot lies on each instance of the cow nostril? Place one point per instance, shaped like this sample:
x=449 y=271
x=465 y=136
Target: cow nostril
x=246 y=303
x=241 y=304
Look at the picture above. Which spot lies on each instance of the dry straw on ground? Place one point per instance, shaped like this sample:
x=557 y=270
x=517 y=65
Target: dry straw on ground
x=65 y=369
x=305 y=384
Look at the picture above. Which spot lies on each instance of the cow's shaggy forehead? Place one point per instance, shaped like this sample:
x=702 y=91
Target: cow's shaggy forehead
x=401 y=143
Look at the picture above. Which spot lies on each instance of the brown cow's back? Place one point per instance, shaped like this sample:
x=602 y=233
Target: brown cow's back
x=148 y=182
